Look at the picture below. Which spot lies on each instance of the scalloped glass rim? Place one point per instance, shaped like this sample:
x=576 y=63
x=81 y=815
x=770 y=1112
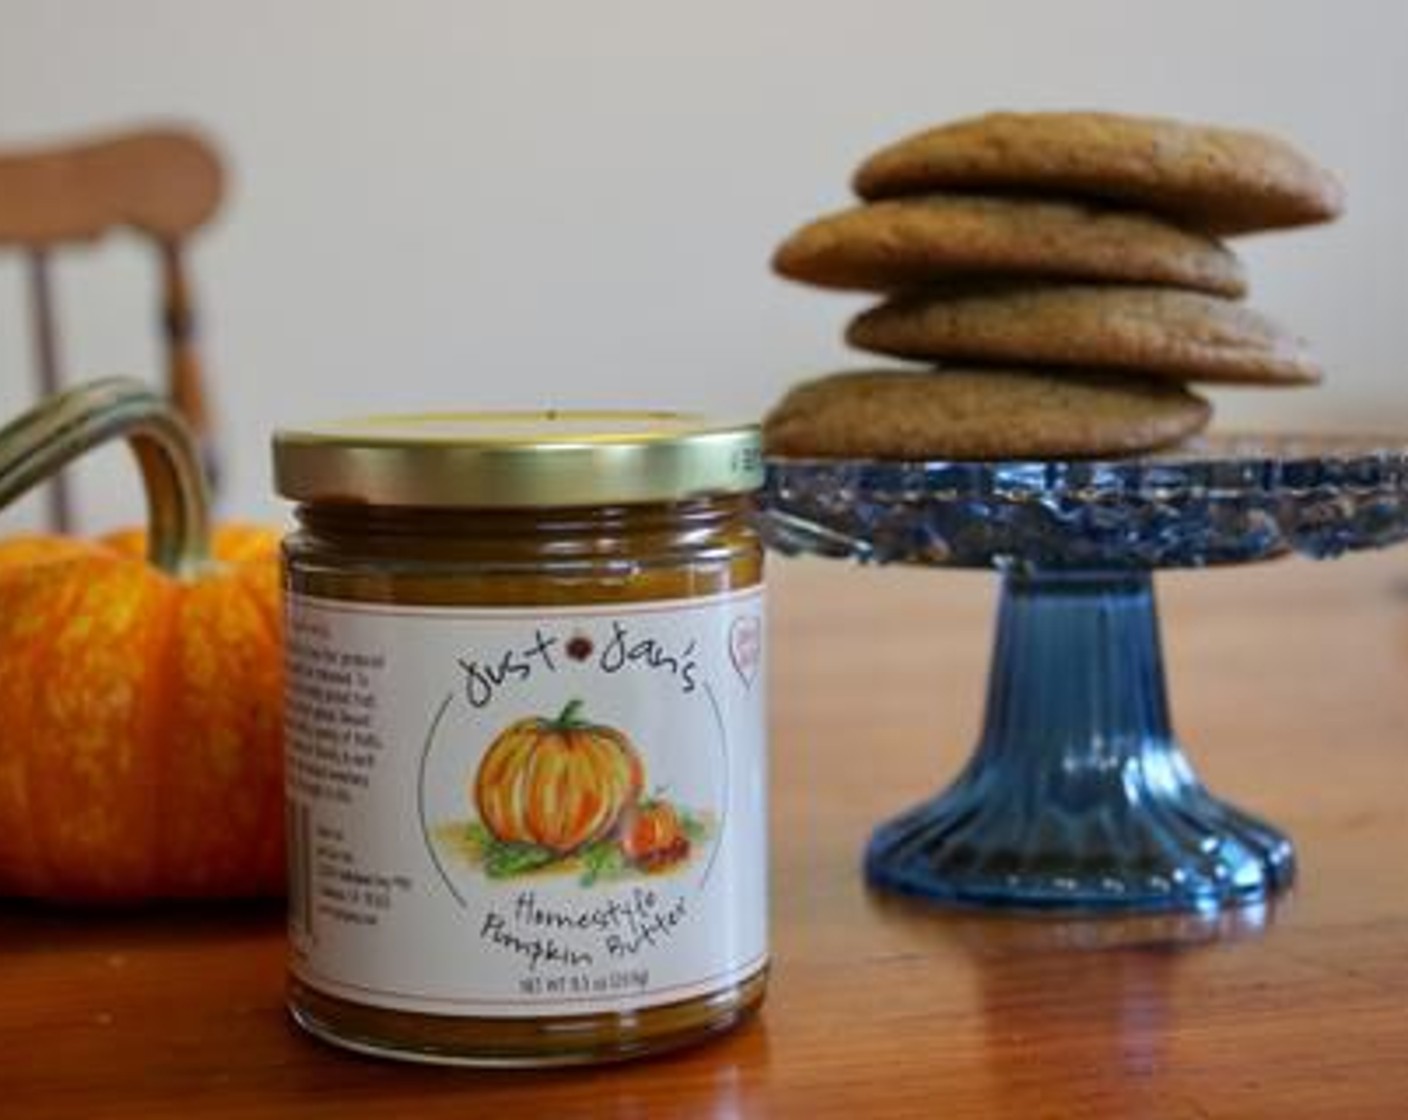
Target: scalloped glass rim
x=1222 y=499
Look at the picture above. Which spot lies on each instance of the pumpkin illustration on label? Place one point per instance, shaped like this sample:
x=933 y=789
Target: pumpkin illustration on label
x=653 y=837
x=558 y=784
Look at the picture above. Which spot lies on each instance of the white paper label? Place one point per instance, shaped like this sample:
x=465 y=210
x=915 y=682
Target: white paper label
x=526 y=812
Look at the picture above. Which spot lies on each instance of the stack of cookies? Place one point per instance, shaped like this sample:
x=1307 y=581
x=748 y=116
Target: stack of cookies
x=1063 y=278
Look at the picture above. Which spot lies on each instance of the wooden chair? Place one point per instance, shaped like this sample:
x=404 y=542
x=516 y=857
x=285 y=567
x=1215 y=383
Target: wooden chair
x=162 y=183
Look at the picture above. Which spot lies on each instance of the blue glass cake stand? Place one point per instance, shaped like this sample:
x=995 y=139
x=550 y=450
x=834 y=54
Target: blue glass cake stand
x=1078 y=796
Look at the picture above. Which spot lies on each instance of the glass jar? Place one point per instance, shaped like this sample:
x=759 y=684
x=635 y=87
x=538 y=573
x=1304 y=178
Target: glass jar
x=525 y=735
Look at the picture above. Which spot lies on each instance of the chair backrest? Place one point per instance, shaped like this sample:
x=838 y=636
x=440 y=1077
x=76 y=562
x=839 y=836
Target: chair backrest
x=163 y=183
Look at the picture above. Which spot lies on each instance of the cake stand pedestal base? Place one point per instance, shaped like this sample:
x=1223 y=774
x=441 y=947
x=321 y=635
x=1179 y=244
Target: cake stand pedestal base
x=1078 y=796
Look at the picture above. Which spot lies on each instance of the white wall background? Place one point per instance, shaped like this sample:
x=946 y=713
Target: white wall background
x=521 y=202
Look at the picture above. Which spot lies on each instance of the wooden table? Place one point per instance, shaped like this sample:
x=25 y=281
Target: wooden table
x=1290 y=688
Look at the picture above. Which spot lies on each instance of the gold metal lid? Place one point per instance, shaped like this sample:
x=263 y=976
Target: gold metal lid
x=517 y=459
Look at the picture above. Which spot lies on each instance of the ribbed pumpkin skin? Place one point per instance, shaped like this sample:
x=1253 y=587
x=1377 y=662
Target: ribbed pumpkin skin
x=556 y=786
x=141 y=755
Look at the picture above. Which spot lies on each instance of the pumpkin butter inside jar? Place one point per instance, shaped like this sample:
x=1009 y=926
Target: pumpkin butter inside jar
x=525 y=726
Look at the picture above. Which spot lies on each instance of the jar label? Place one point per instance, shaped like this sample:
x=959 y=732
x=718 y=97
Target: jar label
x=507 y=812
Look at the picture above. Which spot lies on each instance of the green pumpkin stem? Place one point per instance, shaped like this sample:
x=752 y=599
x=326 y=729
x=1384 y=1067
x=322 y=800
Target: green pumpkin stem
x=570 y=716
x=63 y=427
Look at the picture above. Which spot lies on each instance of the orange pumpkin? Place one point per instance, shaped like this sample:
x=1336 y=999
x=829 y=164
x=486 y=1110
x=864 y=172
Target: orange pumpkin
x=653 y=836
x=141 y=755
x=558 y=783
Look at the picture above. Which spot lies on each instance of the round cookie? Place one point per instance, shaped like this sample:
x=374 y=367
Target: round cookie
x=1220 y=180
x=891 y=245
x=1156 y=331
x=980 y=414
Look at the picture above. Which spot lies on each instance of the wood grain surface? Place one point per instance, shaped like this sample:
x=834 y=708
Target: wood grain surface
x=1290 y=688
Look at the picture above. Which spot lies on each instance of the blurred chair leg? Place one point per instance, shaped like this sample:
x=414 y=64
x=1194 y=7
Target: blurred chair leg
x=184 y=384
x=46 y=350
